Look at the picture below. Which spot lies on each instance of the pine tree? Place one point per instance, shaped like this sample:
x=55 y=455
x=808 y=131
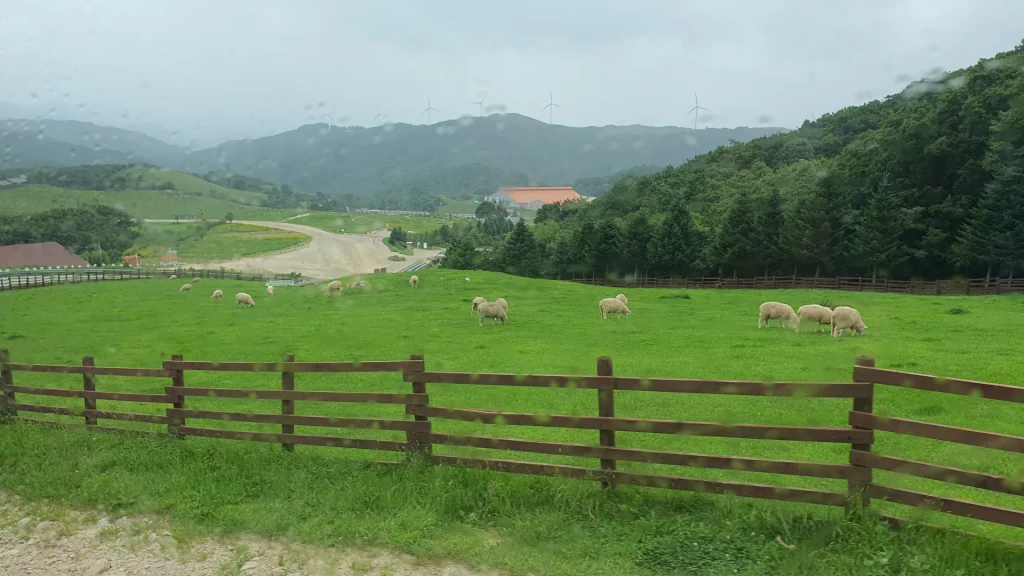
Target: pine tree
x=734 y=249
x=519 y=254
x=460 y=255
x=767 y=240
x=634 y=245
x=879 y=237
x=606 y=247
x=674 y=247
x=818 y=227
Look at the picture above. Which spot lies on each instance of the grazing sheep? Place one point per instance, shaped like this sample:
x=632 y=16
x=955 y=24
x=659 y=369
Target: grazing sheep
x=270 y=290
x=334 y=287
x=196 y=280
x=778 y=311
x=243 y=298
x=414 y=281
x=622 y=298
x=815 y=313
x=491 y=310
x=217 y=295
x=846 y=318
x=503 y=303
x=185 y=288
x=613 y=306
x=173 y=277
x=477 y=302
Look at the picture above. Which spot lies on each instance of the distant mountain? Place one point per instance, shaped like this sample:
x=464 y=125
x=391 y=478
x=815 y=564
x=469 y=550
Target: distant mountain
x=31 y=150
x=372 y=161
x=139 y=147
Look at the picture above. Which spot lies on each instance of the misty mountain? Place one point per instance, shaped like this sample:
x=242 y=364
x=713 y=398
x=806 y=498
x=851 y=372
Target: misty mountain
x=372 y=161
x=31 y=150
x=139 y=147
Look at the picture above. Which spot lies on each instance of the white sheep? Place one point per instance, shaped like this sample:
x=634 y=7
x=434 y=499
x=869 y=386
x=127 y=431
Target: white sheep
x=243 y=298
x=185 y=288
x=173 y=277
x=334 y=287
x=196 y=280
x=777 y=311
x=217 y=295
x=503 y=303
x=477 y=302
x=815 y=313
x=414 y=281
x=613 y=306
x=622 y=298
x=491 y=310
x=270 y=290
x=846 y=318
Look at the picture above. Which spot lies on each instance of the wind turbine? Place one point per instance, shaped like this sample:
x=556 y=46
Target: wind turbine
x=330 y=115
x=429 y=110
x=480 y=103
x=696 y=110
x=551 y=107
x=377 y=118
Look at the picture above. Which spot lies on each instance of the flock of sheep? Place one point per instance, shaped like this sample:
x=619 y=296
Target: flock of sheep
x=241 y=299
x=841 y=319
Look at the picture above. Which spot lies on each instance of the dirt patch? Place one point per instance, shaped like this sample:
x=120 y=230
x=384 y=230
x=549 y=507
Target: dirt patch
x=37 y=540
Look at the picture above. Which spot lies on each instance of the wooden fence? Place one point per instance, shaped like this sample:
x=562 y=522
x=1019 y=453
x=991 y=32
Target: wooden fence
x=965 y=287
x=39 y=278
x=420 y=439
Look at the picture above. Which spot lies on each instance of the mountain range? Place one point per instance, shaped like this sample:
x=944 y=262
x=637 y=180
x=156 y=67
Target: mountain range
x=390 y=160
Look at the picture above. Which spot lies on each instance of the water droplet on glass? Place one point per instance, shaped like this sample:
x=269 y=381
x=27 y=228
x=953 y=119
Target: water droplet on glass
x=588 y=147
x=764 y=119
x=690 y=140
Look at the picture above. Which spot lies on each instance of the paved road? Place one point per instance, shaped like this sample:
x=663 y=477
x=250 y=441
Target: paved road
x=328 y=255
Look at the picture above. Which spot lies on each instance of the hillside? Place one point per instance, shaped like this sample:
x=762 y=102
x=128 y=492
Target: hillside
x=136 y=146
x=370 y=161
x=926 y=183
x=29 y=150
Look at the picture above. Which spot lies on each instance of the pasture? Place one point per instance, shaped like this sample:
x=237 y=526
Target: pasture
x=539 y=525
x=195 y=243
x=362 y=223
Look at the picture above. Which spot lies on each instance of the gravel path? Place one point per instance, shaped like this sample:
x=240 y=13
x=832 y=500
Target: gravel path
x=87 y=544
x=327 y=256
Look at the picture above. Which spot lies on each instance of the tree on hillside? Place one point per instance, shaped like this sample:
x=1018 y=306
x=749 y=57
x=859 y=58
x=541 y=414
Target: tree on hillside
x=606 y=247
x=768 y=225
x=734 y=249
x=818 y=228
x=675 y=246
x=520 y=254
x=460 y=255
x=486 y=210
x=879 y=242
x=634 y=243
x=398 y=236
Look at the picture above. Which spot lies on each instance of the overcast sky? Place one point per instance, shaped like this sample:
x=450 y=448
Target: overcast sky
x=219 y=69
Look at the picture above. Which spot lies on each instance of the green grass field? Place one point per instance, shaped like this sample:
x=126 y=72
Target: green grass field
x=528 y=524
x=450 y=206
x=151 y=178
x=155 y=204
x=363 y=223
x=221 y=242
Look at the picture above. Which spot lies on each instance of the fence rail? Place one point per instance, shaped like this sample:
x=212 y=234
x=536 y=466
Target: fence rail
x=966 y=287
x=420 y=438
x=39 y=278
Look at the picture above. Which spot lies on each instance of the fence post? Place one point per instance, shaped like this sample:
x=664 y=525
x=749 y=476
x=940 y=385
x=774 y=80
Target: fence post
x=8 y=411
x=288 y=406
x=89 y=385
x=864 y=474
x=938 y=288
x=177 y=381
x=606 y=409
x=419 y=442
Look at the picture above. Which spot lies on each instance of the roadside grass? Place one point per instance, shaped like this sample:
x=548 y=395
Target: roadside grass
x=200 y=242
x=554 y=328
x=339 y=222
x=155 y=204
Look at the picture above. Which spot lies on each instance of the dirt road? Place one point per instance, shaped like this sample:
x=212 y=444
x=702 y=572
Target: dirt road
x=328 y=255
x=84 y=543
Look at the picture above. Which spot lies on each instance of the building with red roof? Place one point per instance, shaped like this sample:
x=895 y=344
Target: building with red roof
x=533 y=197
x=42 y=254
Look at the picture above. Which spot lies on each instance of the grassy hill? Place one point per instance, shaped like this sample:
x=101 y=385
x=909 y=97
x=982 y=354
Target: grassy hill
x=147 y=177
x=362 y=223
x=198 y=242
x=553 y=328
x=135 y=145
x=24 y=150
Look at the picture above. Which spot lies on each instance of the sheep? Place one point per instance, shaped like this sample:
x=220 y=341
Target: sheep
x=243 y=298
x=503 y=303
x=477 y=302
x=622 y=298
x=414 y=281
x=491 y=310
x=334 y=287
x=196 y=280
x=270 y=290
x=173 y=277
x=846 y=318
x=613 y=306
x=815 y=313
x=185 y=288
x=778 y=311
x=217 y=295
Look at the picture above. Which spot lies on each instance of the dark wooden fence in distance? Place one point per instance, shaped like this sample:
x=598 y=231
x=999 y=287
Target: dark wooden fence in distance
x=420 y=439
x=966 y=287
x=40 y=278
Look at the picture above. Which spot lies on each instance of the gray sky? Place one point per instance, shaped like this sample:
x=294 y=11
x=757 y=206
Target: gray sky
x=220 y=69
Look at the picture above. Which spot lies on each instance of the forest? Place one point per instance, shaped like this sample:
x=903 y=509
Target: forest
x=98 y=233
x=927 y=183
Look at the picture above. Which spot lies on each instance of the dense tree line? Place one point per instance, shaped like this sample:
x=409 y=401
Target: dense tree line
x=928 y=183
x=101 y=233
